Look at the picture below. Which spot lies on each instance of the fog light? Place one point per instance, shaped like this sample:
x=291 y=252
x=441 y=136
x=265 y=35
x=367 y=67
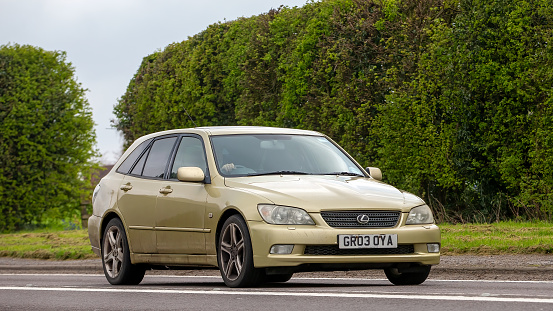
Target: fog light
x=281 y=249
x=433 y=247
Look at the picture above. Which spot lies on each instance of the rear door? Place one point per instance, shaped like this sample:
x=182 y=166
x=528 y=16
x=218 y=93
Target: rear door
x=138 y=194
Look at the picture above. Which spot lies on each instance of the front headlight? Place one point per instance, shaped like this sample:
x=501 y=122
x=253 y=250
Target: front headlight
x=284 y=215
x=420 y=215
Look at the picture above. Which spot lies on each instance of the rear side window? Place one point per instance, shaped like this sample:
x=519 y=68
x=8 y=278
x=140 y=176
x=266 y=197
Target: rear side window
x=158 y=157
x=129 y=161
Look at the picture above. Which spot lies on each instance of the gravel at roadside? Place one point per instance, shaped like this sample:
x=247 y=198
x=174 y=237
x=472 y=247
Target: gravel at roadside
x=501 y=267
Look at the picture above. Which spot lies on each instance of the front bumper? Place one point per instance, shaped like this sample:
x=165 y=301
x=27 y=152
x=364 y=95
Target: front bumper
x=264 y=236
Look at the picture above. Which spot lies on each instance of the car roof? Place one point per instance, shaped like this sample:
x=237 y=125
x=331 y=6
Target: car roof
x=230 y=130
x=224 y=130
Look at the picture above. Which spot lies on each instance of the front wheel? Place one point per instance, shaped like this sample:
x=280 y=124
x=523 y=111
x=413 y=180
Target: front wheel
x=116 y=257
x=407 y=278
x=235 y=255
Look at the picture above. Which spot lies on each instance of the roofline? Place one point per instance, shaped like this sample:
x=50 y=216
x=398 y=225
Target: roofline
x=233 y=130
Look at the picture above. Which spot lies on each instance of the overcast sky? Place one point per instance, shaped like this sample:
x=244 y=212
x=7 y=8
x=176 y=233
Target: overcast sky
x=105 y=40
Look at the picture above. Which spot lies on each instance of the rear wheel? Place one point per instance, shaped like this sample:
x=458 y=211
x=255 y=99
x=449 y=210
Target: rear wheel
x=235 y=255
x=407 y=278
x=116 y=257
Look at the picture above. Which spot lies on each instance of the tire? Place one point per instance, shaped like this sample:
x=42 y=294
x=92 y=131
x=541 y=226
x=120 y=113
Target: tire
x=116 y=258
x=407 y=278
x=235 y=255
x=278 y=278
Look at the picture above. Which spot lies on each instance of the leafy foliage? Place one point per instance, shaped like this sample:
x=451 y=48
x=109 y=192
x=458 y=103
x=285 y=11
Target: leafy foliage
x=476 y=113
x=451 y=98
x=46 y=136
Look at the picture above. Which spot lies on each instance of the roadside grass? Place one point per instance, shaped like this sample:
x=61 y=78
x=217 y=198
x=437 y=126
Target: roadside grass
x=44 y=244
x=497 y=238
x=458 y=239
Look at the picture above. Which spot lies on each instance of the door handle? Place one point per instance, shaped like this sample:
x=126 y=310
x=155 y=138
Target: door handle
x=126 y=187
x=165 y=190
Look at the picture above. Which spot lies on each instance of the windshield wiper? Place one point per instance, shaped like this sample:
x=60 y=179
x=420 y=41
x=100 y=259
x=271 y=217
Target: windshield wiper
x=345 y=174
x=280 y=173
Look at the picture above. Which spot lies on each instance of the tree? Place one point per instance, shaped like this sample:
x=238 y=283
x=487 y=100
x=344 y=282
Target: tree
x=46 y=136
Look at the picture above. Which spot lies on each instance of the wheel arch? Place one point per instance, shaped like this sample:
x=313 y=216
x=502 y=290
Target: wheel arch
x=105 y=220
x=226 y=215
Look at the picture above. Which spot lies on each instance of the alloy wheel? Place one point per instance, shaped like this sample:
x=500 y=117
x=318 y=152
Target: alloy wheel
x=232 y=251
x=113 y=251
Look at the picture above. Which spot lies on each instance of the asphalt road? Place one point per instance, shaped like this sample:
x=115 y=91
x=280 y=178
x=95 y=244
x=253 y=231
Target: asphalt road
x=537 y=267
x=160 y=292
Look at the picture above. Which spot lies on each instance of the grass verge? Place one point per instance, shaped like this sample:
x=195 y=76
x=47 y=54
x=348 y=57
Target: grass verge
x=459 y=239
x=59 y=245
x=497 y=238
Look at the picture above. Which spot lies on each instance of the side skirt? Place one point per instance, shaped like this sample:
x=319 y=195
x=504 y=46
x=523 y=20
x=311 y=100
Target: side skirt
x=175 y=260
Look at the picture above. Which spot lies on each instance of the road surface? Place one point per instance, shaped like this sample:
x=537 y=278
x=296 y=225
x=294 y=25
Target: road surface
x=166 y=292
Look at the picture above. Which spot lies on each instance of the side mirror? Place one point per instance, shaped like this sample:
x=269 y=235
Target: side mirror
x=190 y=174
x=375 y=172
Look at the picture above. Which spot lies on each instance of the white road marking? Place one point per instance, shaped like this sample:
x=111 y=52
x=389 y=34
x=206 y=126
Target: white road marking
x=490 y=281
x=295 y=278
x=50 y=274
x=294 y=294
x=429 y=280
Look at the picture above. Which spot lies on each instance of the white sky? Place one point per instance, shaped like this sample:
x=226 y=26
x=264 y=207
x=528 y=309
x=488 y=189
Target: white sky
x=105 y=40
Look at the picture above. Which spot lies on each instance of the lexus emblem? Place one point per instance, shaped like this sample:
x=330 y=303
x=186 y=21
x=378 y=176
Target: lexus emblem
x=363 y=219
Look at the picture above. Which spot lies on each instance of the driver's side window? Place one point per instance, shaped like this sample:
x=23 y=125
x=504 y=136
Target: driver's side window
x=191 y=153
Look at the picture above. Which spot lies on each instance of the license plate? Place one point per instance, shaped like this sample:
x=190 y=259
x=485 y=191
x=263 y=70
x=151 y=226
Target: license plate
x=367 y=241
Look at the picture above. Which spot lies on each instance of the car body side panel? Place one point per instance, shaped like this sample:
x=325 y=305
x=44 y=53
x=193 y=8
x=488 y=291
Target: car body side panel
x=180 y=218
x=137 y=205
x=94 y=223
x=105 y=199
x=221 y=199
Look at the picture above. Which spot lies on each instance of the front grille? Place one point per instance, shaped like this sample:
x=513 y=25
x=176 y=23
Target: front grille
x=377 y=219
x=333 y=250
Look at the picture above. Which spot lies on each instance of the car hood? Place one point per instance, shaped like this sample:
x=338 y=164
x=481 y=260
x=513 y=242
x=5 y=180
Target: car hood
x=325 y=192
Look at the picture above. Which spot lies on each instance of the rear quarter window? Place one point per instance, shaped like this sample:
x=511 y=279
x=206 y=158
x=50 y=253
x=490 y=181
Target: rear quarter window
x=129 y=161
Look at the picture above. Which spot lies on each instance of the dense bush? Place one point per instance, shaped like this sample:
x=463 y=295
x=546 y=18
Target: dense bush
x=46 y=136
x=451 y=98
x=478 y=114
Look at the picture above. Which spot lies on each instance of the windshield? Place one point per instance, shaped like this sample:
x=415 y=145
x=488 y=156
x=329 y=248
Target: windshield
x=253 y=155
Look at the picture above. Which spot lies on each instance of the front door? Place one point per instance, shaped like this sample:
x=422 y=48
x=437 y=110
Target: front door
x=180 y=209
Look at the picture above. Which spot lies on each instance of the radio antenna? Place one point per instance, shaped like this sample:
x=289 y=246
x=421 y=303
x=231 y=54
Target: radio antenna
x=189 y=117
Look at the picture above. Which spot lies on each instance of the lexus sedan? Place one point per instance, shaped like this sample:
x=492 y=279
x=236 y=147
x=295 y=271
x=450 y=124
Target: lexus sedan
x=260 y=204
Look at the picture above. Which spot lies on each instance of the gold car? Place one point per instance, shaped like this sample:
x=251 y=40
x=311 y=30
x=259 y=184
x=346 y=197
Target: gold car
x=258 y=203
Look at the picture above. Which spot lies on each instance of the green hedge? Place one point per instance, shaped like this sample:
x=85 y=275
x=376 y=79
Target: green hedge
x=452 y=99
x=46 y=137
